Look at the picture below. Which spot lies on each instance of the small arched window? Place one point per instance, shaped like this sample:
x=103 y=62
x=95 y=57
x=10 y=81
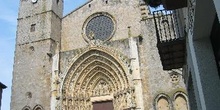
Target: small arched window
x=162 y=102
x=180 y=101
x=26 y=108
x=38 y=107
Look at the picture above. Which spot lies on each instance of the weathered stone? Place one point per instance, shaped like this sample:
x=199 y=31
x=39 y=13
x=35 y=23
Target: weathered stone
x=62 y=68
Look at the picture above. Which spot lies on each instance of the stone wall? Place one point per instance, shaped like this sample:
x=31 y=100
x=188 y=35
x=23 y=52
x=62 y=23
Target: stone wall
x=38 y=37
x=28 y=8
x=31 y=75
x=155 y=80
x=133 y=44
x=43 y=24
x=126 y=14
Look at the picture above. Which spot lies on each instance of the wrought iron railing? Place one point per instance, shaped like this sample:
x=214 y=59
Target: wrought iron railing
x=168 y=27
x=170 y=38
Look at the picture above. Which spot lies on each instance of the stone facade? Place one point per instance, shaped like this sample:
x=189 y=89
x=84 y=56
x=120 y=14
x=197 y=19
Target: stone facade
x=60 y=67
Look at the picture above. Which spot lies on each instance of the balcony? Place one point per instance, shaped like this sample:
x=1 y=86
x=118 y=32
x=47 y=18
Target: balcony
x=167 y=4
x=174 y=4
x=170 y=39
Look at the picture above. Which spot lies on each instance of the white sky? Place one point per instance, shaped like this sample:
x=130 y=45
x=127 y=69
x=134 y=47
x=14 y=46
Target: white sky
x=8 y=22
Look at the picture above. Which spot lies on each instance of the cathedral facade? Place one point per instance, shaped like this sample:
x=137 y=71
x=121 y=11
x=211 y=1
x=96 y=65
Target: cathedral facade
x=101 y=56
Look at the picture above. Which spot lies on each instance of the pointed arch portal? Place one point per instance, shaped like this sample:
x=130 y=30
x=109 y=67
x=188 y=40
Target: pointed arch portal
x=96 y=76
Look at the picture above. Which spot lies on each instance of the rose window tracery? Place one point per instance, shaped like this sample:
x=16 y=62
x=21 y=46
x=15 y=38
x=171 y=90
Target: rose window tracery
x=100 y=27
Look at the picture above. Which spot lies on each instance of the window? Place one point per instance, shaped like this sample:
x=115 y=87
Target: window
x=38 y=107
x=100 y=27
x=180 y=101
x=26 y=108
x=33 y=27
x=162 y=102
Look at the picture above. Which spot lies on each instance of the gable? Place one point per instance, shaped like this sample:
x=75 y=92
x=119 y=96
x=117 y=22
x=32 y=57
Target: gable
x=125 y=13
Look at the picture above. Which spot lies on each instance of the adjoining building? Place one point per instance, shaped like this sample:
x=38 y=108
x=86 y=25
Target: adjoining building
x=103 y=54
x=199 y=21
x=202 y=44
x=2 y=86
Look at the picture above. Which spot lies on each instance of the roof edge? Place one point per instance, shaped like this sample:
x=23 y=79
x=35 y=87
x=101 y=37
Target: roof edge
x=2 y=85
x=77 y=9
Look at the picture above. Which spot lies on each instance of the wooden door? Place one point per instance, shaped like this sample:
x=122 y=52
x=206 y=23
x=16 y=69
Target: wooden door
x=105 y=105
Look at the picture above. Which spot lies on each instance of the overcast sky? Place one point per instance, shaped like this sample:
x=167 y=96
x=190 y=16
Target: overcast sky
x=8 y=22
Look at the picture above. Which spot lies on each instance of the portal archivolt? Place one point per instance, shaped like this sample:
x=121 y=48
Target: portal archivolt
x=96 y=76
